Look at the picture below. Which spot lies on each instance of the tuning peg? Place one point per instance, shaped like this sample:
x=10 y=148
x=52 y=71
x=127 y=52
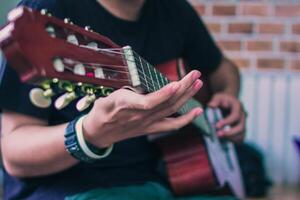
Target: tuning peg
x=87 y=28
x=92 y=45
x=85 y=102
x=41 y=98
x=44 y=11
x=51 y=31
x=58 y=65
x=64 y=100
x=103 y=91
x=99 y=73
x=68 y=21
x=79 y=69
x=72 y=39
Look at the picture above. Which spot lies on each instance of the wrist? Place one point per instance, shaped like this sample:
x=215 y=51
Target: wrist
x=92 y=135
x=78 y=147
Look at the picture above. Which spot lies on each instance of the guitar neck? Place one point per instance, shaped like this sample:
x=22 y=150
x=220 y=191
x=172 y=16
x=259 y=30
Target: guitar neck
x=152 y=80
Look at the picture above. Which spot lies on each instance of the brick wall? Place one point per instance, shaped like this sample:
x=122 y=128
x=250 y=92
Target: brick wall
x=260 y=34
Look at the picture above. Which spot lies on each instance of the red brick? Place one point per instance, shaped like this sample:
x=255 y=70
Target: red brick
x=224 y=10
x=241 y=62
x=200 y=8
x=295 y=64
x=231 y=45
x=288 y=10
x=296 y=29
x=271 y=28
x=270 y=63
x=214 y=27
x=259 y=9
x=259 y=46
x=240 y=28
x=290 y=46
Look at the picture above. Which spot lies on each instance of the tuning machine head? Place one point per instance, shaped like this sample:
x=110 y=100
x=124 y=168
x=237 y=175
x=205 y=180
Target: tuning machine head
x=68 y=21
x=46 y=12
x=41 y=97
x=69 y=95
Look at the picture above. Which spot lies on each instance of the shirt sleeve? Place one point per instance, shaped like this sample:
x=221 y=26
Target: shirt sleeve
x=200 y=50
x=14 y=95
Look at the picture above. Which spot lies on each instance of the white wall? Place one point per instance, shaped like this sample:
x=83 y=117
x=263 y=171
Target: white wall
x=273 y=103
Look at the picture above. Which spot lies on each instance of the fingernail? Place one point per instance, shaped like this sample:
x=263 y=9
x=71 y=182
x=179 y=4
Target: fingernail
x=196 y=75
x=197 y=84
x=198 y=112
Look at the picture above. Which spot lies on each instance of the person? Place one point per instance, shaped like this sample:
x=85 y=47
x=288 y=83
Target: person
x=37 y=165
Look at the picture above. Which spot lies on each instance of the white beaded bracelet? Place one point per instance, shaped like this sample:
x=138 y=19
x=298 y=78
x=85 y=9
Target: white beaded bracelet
x=83 y=145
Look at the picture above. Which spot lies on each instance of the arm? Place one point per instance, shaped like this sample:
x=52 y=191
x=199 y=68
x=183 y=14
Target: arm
x=225 y=78
x=225 y=85
x=32 y=148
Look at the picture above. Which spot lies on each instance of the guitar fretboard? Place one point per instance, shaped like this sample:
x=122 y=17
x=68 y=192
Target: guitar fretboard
x=152 y=80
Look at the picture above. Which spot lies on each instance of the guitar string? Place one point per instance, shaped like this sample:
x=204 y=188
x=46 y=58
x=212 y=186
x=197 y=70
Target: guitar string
x=71 y=70
x=147 y=80
x=117 y=51
x=185 y=108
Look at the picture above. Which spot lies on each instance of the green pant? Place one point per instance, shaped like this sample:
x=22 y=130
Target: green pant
x=147 y=191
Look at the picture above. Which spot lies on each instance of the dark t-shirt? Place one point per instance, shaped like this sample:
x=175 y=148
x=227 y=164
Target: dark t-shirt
x=166 y=30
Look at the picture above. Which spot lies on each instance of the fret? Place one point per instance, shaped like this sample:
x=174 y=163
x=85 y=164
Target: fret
x=151 y=77
x=145 y=78
x=164 y=80
x=161 y=79
x=158 y=82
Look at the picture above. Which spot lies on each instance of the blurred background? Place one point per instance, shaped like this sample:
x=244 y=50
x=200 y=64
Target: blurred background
x=263 y=38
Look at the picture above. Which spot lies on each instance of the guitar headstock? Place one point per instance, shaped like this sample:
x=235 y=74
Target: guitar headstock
x=64 y=59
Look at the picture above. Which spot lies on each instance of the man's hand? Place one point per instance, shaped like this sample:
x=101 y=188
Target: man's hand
x=125 y=114
x=235 y=118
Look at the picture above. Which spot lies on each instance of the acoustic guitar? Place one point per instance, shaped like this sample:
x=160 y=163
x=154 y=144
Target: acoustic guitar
x=69 y=63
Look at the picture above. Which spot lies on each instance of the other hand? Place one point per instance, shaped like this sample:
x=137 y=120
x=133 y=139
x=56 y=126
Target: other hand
x=236 y=117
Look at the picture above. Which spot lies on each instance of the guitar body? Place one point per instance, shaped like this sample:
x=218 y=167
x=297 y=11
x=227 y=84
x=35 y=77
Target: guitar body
x=68 y=63
x=196 y=163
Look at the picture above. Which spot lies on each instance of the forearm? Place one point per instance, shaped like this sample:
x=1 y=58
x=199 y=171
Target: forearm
x=35 y=150
x=225 y=79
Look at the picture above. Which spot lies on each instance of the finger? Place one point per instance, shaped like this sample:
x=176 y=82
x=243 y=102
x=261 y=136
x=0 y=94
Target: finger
x=170 y=108
x=169 y=124
x=154 y=99
x=234 y=116
x=235 y=133
x=176 y=89
x=215 y=102
x=184 y=98
x=187 y=82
